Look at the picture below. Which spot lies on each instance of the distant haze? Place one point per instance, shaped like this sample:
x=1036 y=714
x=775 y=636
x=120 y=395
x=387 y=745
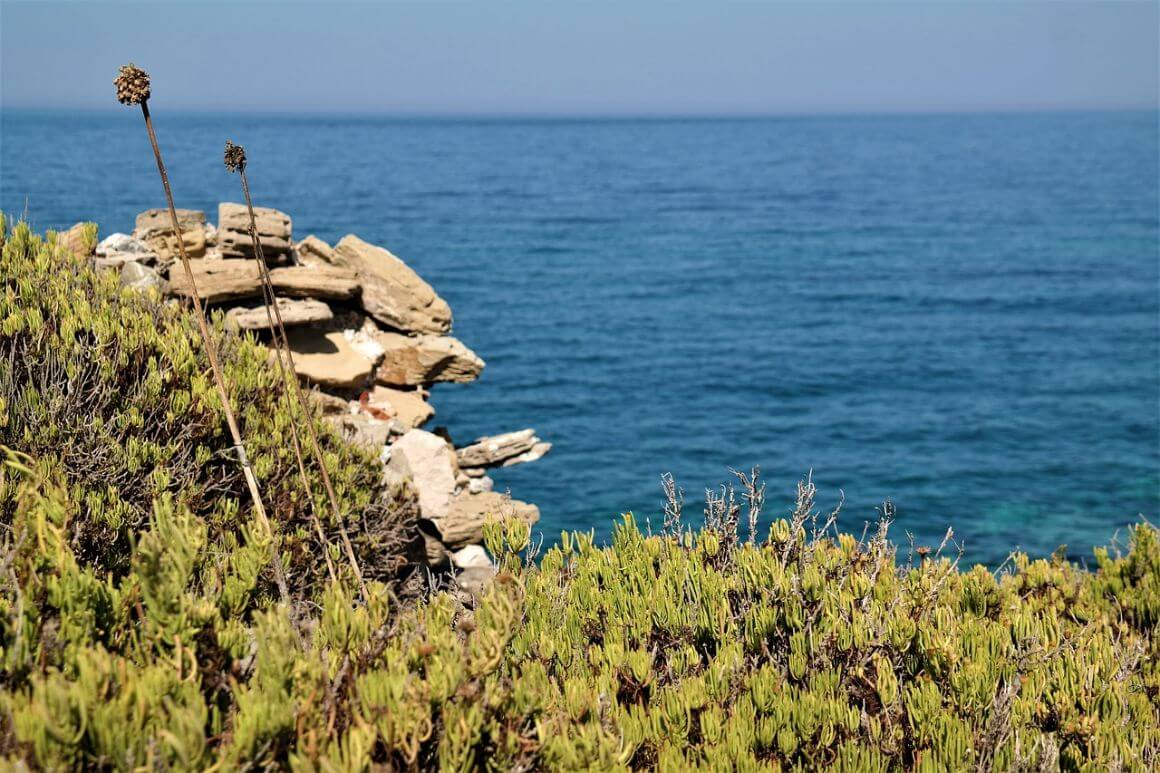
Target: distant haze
x=532 y=57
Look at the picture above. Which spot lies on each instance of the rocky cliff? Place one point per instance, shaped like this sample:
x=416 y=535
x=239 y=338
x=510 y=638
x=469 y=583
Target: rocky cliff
x=368 y=335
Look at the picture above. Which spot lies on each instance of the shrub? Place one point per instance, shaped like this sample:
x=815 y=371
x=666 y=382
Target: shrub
x=658 y=651
x=108 y=389
x=799 y=648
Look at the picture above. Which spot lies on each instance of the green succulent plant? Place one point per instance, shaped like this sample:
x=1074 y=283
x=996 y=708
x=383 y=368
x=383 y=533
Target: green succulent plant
x=691 y=650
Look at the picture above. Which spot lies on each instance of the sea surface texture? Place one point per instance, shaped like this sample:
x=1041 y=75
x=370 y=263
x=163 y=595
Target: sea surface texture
x=956 y=313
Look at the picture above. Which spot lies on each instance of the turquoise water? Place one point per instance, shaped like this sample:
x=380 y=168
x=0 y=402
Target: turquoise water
x=959 y=313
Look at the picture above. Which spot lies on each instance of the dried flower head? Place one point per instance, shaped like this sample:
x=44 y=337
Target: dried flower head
x=132 y=85
x=235 y=157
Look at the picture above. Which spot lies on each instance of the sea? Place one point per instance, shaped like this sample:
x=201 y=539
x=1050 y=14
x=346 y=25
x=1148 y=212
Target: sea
x=955 y=314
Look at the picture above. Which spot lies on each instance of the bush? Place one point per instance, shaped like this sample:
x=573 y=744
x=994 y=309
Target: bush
x=109 y=390
x=798 y=648
x=671 y=652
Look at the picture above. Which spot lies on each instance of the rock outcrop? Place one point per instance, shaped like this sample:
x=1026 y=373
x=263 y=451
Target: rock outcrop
x=217 y=281
x=294 y=312
x=325 y=282
x=233 y=232
x=76 y=240
x=391 y=292
x=369 y=337
x=503 y=450
x=410 y=408
x=428 y=461
x=467 y=513
x=312 y=251
x=328 y=360
x=154 y=228
x=425 y=359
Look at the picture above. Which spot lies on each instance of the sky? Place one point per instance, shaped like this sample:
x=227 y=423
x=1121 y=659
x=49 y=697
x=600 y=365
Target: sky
x=601 y=57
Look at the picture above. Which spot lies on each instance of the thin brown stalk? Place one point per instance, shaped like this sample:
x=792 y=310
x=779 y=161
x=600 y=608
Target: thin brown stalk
x=271 y=303
x=133 y=88
x=236 y=160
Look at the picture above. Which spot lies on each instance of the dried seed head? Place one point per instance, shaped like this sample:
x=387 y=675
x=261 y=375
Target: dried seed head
x=235 y=157
x=132 y=85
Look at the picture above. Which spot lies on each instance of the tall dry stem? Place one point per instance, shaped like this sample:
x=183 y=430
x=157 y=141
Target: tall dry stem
x=235 y=160
x=133 y=88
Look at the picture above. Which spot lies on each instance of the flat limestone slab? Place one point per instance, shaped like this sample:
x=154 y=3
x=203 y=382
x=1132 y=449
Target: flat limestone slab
x=496 y=449
x=293 y=311
x=326 y=282
x=328 y=359
x=217 y=281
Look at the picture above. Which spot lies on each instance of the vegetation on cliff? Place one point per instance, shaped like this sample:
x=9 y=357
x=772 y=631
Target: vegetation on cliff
x=108 y=390
x=138 y=628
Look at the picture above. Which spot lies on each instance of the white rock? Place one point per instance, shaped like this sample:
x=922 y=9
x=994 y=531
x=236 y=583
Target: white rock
x=428 y=461
x=538 y=451
x=140 y=277
x=471 y=556
x=480 y=485
x=122 y=244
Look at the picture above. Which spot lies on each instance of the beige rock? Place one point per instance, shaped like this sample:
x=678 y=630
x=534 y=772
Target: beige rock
x=326 y=282
x=474 y=581
x=327 y=359
x=292 y=311
x=312 y=251
x=360 y=429
x=75 y=241
x=408 y=407
x=411 y=360
x=329 y=404
x=467 y=513
x=217 y=280
x=392 y=293
x=233 y=231
x=155 y=229
x=428 y=462
x=496 y=449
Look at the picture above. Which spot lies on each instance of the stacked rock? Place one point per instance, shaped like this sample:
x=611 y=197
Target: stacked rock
x=368 y=334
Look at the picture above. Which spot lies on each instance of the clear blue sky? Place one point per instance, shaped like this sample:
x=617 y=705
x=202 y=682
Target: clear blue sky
x=600 y=57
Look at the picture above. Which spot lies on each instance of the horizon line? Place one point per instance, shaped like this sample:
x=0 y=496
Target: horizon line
x=275 y=112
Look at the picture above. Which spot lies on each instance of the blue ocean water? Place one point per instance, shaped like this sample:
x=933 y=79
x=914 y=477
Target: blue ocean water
x=958 y=313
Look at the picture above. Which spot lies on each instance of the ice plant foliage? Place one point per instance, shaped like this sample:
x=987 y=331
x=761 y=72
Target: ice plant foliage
x=109 y=388
x=796 y=648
